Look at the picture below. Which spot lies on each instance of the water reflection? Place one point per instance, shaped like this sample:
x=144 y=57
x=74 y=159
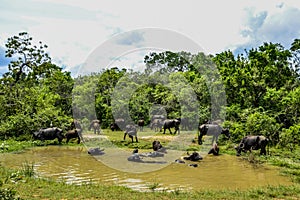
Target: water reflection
x=75 y=166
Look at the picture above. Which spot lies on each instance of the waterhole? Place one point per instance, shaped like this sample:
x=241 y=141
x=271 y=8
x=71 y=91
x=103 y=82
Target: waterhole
x=75 y=166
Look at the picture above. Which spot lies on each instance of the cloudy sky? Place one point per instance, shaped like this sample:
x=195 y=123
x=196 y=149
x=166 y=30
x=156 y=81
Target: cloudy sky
x=73 y=29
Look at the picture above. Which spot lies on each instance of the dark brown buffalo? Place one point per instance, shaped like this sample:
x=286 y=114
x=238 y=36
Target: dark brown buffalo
x=156 y=146
x=118 y=124
x=75 y=133
x=141 y=124
x=193 y=157
x=252 y=142
x=49 y=134
x=214 y=150
x=75 y=124
x=171 y=123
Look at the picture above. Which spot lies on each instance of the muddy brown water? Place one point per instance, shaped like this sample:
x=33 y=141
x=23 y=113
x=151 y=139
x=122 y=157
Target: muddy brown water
x=75 y=166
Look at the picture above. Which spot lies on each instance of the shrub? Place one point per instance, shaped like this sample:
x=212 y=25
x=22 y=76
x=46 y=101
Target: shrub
x=290 y=137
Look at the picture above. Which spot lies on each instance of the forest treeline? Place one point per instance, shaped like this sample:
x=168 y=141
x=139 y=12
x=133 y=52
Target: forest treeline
x=256 y=92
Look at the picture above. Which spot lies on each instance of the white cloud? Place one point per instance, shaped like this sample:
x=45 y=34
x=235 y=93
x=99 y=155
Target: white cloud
x=277 y=23
x=74 y=28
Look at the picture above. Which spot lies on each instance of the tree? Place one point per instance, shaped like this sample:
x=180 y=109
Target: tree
x=27 y=59
x=247 y=77
x=168 y=61
x=295 y=60
x=36 y=93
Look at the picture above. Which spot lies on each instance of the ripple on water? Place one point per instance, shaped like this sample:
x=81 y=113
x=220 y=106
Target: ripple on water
x=75 y=166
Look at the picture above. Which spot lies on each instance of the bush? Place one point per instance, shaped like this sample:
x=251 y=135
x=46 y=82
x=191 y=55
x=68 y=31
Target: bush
x=236 y=130
x=260 y=123
x=8 y=194
x=290 y=137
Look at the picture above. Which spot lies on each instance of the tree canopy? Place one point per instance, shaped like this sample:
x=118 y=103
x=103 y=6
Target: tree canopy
x=256 y=92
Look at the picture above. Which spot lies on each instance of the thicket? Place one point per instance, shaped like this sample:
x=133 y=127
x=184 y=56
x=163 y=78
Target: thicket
x=254 y=93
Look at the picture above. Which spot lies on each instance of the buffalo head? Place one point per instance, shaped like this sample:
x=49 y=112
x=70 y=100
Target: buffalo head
x=239 y=149
x=226 y=132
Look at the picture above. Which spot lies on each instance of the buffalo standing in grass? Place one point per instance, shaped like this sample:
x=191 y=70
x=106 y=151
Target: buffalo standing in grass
x=185 y=123
x=157 y=124
x=213 y=130
x=95 y=124
x=131 y=131
x=75 y=133
x=141 y=124
x=155 y=119
x=117 y=125
x=252 y=142
x=171 y=123
x=49 y=134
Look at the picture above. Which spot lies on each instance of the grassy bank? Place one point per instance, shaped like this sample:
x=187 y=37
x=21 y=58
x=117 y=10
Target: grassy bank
x=32 y=188
x=22 y=183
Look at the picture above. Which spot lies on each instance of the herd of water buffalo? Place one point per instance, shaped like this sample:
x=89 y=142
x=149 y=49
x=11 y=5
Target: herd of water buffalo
x=157 y=123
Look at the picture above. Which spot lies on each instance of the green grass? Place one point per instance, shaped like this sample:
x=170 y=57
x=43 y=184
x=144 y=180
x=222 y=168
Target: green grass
x=144 y=143
x=31 y=188
x=16 y=146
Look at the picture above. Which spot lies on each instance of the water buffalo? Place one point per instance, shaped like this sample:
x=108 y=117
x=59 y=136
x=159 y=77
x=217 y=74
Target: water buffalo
x=171 y=123
x=193 y=157
x=118 y=124
x=75 y=133
x=113 y=126
x=95 y=151
x=135 y=157
x=184 y=123
x=179 y=161
x=157 y=124
x=162 y=117
x=156 y=146
x=252 y=142
x=155 y=119
x=214 y=150
x=95 y=124
x=141 y=124
x=131 y=131
x=75 y=124
x=49 y=134
x=213 y=130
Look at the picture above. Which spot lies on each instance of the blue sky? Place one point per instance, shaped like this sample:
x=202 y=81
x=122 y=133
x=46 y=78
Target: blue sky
x=74 y=28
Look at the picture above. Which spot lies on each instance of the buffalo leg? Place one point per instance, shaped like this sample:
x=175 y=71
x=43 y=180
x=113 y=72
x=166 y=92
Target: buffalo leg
x=59 y=139
x=199 y=139
x=263 y=151
x=130 y=136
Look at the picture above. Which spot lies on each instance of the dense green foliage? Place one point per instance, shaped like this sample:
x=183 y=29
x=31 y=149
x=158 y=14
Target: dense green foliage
x=255 y=93
x=34 y=92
